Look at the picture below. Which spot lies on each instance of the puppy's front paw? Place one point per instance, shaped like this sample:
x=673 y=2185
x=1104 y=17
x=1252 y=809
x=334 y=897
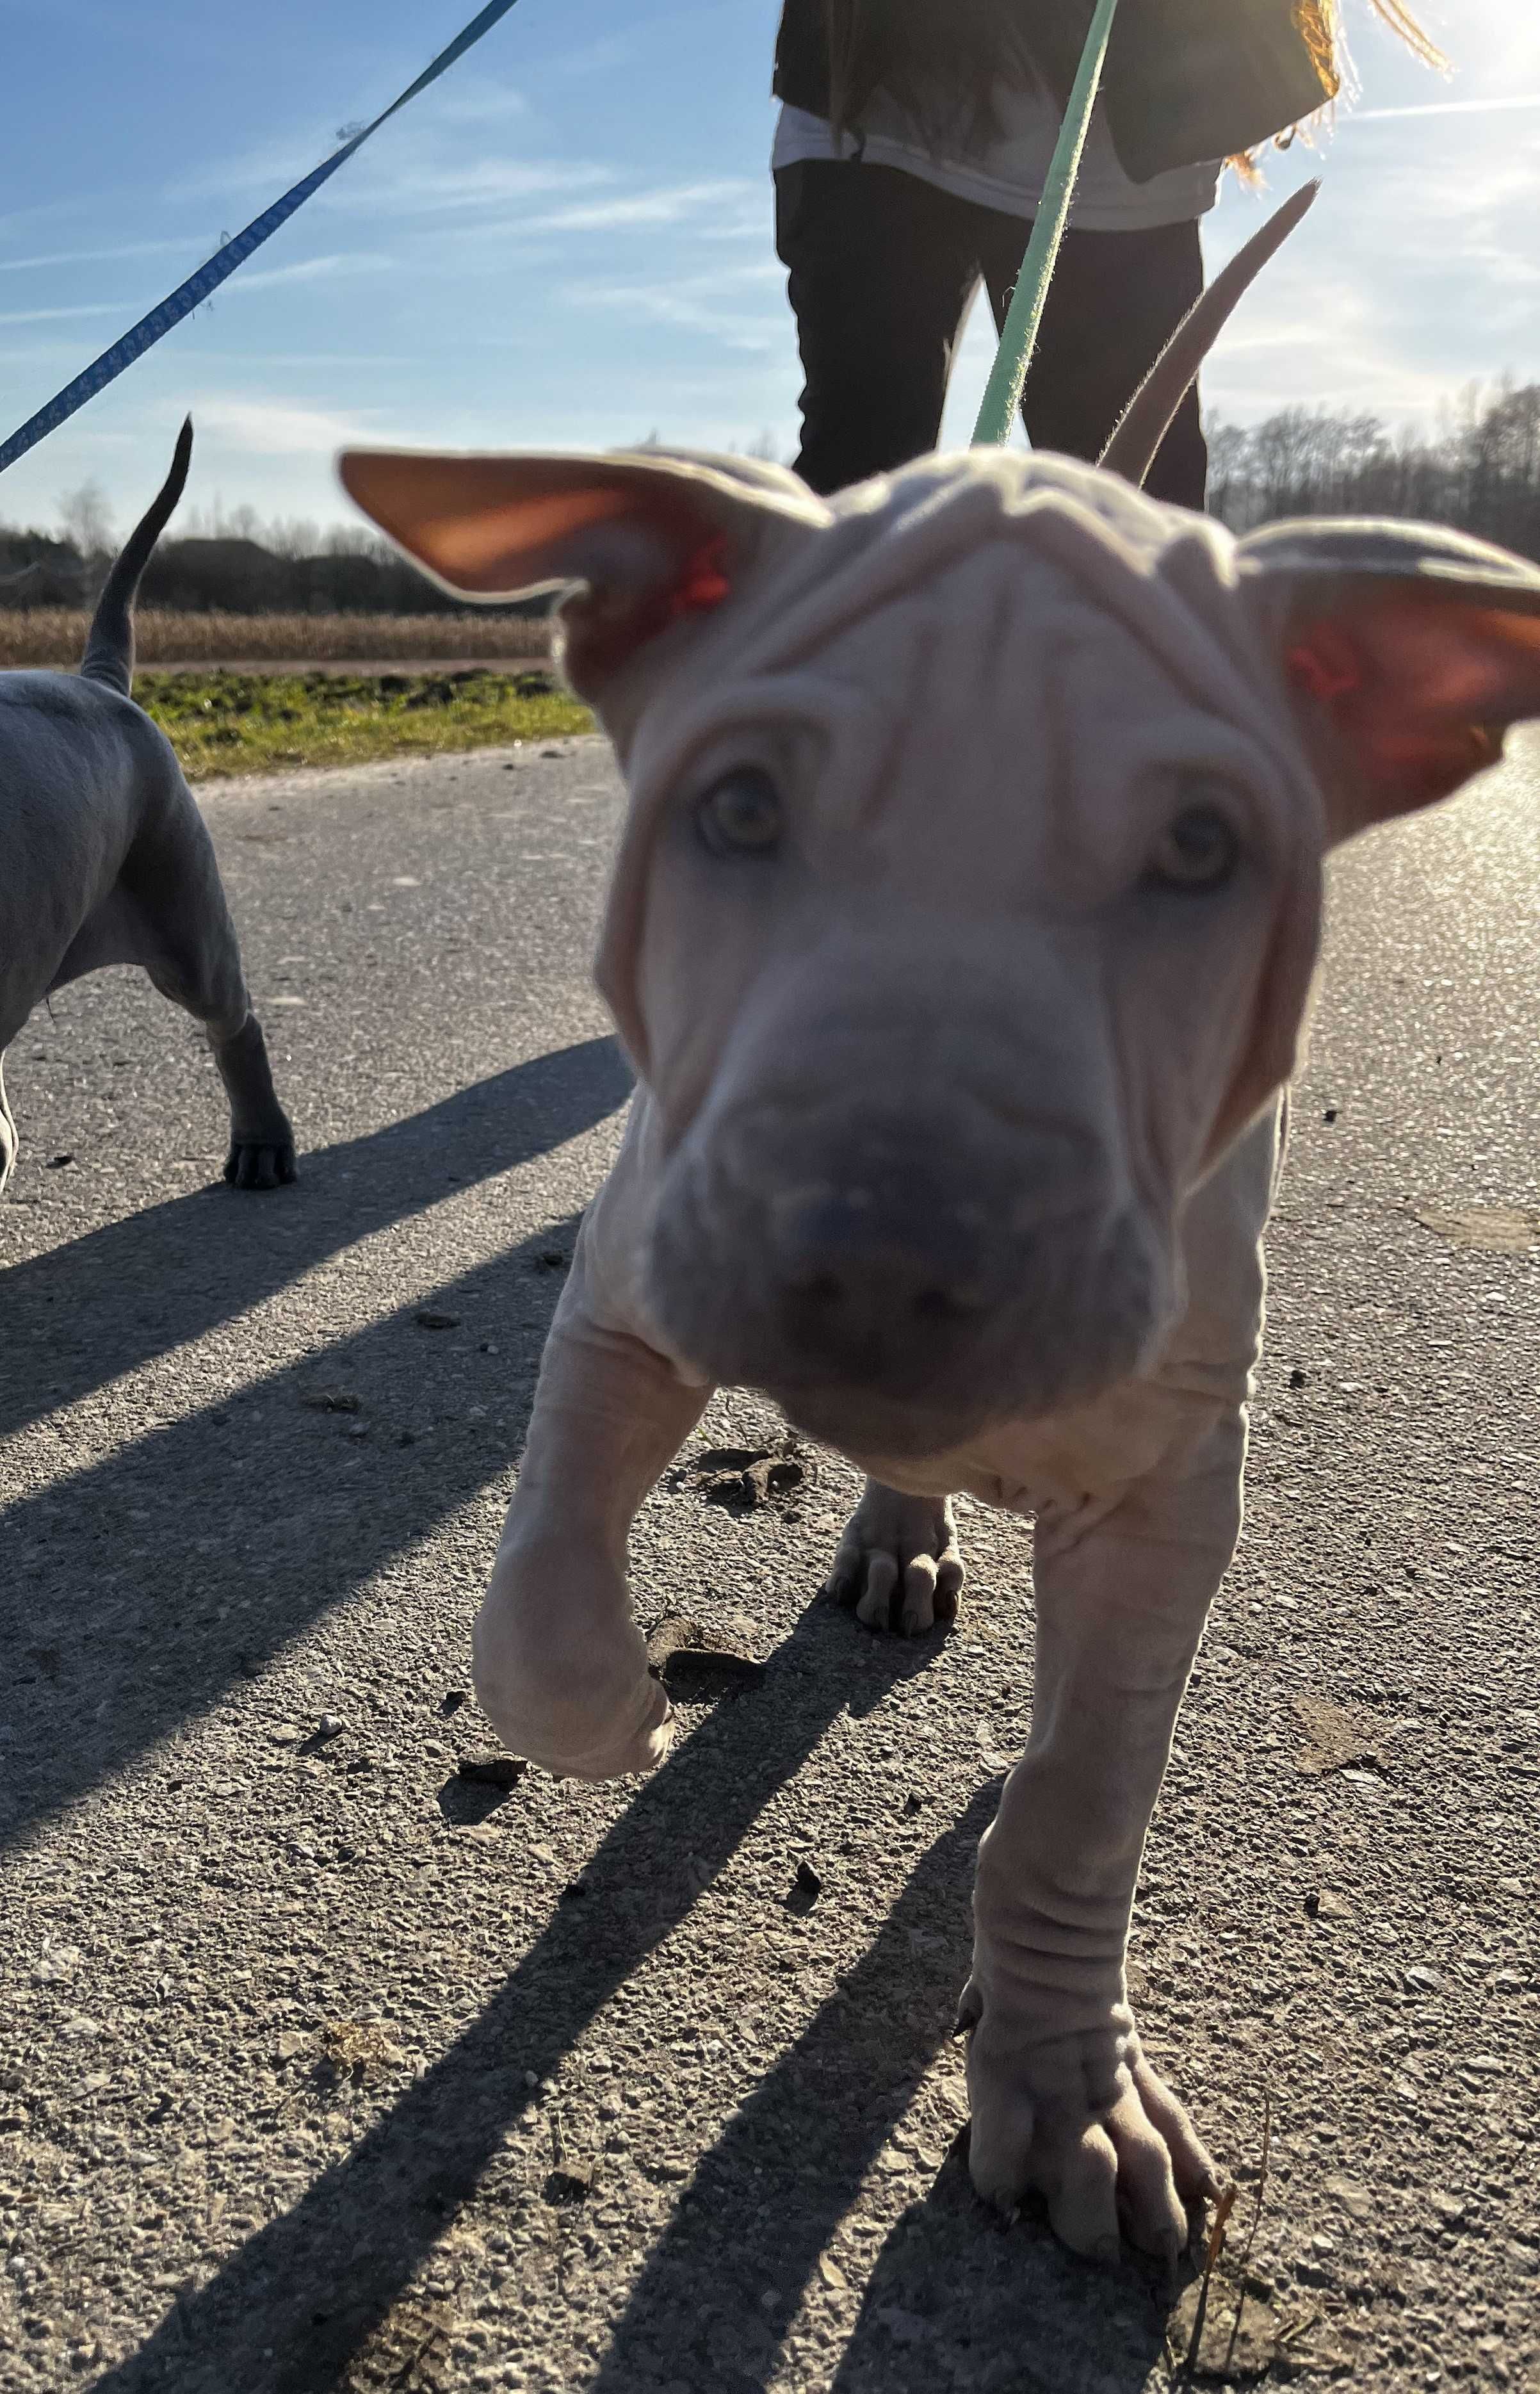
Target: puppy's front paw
x=898 y=1561
x=257 y=1164
x=1082 y=2119
x=560 y=1666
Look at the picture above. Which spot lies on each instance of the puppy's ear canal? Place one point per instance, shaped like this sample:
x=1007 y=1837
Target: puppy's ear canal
x=640 y=543
x=1408 y=650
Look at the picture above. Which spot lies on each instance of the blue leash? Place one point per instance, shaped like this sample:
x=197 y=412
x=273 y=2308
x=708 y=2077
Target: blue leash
x=222 y=265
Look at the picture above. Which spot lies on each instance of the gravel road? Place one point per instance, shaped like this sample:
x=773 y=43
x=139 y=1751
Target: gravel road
x=323 y=2066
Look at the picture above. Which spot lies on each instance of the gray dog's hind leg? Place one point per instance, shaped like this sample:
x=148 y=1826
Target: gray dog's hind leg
x=261 y=1142
x=186 y=942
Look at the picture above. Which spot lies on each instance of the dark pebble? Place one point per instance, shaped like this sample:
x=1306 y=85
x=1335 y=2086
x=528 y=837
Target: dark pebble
x=491 y=1769
x=711 y=1662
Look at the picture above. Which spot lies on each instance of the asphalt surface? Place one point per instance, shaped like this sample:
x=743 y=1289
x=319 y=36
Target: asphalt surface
x=323 y=2067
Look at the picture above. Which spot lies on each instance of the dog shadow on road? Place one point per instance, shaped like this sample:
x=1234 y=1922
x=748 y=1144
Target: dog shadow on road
x=956 y=2298
x=307 y=2300
x=296 y=2305
x=140 y=1585
x=85 y=1314
x=174 y=1611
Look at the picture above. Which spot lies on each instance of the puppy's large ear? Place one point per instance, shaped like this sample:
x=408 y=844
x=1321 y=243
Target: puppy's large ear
x=1409 y=651
x=641 y=541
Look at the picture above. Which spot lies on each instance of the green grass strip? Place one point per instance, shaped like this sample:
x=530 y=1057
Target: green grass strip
x=1024 y=318
x=222 y=723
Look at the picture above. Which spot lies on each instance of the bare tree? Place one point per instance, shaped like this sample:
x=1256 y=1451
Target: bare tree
x=86 y=520
x=1480 y=468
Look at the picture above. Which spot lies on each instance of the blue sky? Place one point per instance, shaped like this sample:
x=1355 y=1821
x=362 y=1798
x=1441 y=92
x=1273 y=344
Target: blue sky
x=568 y=241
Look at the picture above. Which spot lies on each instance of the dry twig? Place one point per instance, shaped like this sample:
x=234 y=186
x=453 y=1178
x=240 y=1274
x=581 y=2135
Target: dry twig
x=1251 y=2232
x=1225 y=2205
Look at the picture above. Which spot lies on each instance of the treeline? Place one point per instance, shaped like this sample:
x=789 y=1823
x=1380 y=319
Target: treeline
x=1480 y=470
x=234 y=565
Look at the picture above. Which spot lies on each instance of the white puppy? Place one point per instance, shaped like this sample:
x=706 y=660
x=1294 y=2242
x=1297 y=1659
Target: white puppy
x=961 y=934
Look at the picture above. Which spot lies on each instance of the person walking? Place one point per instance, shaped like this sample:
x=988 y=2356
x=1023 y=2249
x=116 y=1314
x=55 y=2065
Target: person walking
x=911 y=148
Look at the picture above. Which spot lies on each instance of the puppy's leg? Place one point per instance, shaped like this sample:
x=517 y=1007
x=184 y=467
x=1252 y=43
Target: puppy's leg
x=560 y=1666
x=1063 y=2099
x=898 y=1561
x=191 y=954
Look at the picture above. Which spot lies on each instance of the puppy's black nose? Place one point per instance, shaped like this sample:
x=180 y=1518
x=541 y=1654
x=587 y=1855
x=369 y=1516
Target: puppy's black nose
x=874 y=1283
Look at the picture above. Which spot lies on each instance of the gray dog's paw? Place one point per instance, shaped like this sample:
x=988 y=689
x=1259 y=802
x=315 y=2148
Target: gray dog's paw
x=254 y=1164
x=898 y=1562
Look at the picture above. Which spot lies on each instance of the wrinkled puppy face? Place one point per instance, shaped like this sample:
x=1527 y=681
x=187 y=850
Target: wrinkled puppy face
x=967 y=899
x=953 y=937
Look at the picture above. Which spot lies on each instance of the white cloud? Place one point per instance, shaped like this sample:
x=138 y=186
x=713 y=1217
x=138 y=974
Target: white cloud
x=1442 y=108
x=310 y=270
x=604 y=56
x=98 y=257
x=270 y=168
x=58 y=315
x=668 y=206
x=693 y=304
x=267 y=427
x=480 y=104
x=489 y=182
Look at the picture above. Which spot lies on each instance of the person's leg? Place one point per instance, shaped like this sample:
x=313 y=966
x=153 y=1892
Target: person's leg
x=1115 y=301
x=881 y=267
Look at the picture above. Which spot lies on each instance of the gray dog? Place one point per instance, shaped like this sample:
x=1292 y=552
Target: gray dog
x=962 y=934
x=105 y=859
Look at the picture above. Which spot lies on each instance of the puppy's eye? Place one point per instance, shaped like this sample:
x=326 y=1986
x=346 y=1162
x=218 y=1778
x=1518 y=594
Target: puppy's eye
x=1197 y=851
x=741 y=814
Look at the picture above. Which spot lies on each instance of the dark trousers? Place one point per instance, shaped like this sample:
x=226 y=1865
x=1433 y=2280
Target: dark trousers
x=882 y=267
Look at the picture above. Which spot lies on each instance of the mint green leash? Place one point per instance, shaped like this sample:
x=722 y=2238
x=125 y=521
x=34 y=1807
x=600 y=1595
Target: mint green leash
x=1024 y=322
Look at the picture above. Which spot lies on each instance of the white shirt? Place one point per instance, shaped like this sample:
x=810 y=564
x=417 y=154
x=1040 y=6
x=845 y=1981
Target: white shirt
x=1008 y=172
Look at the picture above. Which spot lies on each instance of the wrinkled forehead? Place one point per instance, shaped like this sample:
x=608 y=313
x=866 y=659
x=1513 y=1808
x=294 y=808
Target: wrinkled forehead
x=1003 y=670
x=1036 y=644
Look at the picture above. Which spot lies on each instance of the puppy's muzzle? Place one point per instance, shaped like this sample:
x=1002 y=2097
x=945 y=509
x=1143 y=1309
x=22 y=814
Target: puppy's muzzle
x=884 y=1285
x=870 y=1282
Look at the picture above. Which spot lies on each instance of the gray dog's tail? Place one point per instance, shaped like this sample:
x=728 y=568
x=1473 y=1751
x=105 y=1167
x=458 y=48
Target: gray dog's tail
x=110 y=643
